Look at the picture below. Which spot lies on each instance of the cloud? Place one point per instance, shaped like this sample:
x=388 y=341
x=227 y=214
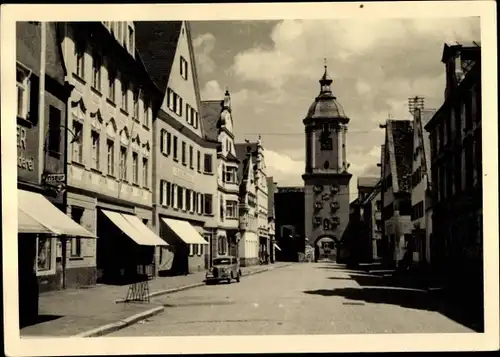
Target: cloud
x=212 y=91
x=204 y=45
x=285 y=170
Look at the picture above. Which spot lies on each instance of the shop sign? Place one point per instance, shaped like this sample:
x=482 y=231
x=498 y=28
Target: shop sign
x=54 y=179
x=24 y=160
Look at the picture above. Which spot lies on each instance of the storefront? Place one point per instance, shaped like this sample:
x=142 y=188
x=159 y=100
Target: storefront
x=189 y=246
x=126 y=252
x=40 y=224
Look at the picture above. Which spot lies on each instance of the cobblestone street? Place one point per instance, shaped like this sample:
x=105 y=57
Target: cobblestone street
x=309 y=298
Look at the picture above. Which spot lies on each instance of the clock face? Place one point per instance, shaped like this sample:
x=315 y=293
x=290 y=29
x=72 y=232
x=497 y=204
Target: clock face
x=326 y=143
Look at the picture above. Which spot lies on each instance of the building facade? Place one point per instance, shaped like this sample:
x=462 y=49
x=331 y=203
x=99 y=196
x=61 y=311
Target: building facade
x=43 y=226
x=396 y=190
x=371 y=217
x=326 y=178
x=420 y=184
x=218 y=124
x=271 y=190
x=110 y=151
x=290 y=231
x=248 y=246
x=185 y=176
x=456 y=167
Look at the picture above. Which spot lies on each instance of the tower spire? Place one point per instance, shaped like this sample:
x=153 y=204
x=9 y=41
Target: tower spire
x=325 y=80
x=227 y=100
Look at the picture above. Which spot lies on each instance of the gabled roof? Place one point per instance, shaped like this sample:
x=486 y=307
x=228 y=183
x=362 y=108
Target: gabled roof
x=156 y=41
x=246 y=175
x=210 y=111
x=399 y=141
x=426 y=116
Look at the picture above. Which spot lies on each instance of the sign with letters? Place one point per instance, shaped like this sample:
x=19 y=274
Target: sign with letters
x=27 y=153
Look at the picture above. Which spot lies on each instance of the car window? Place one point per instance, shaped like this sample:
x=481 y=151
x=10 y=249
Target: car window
x=222 y=261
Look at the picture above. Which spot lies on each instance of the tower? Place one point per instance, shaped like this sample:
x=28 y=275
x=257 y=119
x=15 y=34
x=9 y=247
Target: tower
x=326 y=180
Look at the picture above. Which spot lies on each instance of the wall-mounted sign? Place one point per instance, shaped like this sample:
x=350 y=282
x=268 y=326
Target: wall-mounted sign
x=53 y=179
x=24 y=160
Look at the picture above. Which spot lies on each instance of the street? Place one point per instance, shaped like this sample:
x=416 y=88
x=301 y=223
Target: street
x=308 y=298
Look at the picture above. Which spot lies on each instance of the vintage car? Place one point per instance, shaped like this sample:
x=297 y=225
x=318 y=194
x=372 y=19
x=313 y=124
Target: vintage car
x=224 y=268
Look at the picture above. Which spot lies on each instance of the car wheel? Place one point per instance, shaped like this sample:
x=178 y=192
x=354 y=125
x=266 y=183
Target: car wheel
x=230 y=280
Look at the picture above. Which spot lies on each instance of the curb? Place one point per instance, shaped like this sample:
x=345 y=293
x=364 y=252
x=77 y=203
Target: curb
x=121 y=324
x=191 y=286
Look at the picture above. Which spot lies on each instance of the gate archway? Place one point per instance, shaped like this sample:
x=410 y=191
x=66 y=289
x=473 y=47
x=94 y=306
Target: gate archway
x=325 y=248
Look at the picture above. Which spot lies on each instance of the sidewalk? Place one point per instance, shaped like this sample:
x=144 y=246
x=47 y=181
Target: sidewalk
x=75 y=311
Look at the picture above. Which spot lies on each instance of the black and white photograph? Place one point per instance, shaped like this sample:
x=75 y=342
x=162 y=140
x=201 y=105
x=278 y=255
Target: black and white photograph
x=232 y=178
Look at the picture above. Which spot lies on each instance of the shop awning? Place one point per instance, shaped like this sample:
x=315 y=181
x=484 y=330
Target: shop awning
x=185 y=231
x=123 y=222
x=143 y=229
x=36 y=214
x=276 y=246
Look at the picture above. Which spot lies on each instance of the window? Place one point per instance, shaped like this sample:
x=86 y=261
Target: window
x=123 y=163
x=110 y=146
x=195 y=120
x=54 y=139
x=195 y=202
x=230 y=174
x=178 y=110
x=188 y=200
x=231 y=209
x=171 y=103
x=198 y=160
x=135 y=114
x=111 y=85
x=135 y=167
x=145 y=172
x=125 y=96
x=131 y=39
x=189 y=117
x=200 y=249
x=191 y=249
x=80 y=58
x=76 y=243
x=119 y=36
x=44 y=253
x=174 y=196
x=191 y=157
x=378 y=204
x=96 y=71
x=146 y=114
x=168 y=189
x=180 y=197
x=221 y=243
x=183 y=153
x=95 y=149
x=208 y=204
x=175 y=148
x=208 y=163
x=184 y=68
x=201 y=203
x=22 y=78
x=77 y=142
x=169 y=140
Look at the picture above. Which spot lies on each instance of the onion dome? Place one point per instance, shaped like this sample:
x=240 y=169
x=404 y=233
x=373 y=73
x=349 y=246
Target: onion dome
x=326 y=106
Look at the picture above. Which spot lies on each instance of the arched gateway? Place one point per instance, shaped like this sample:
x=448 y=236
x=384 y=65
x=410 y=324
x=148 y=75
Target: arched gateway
x=326 y=179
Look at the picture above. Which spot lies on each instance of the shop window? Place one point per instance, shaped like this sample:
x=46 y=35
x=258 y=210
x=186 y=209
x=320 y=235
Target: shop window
x=54 y=139
x=75 y=242
x=44 y=253
x=222 y=247
x=23 y=92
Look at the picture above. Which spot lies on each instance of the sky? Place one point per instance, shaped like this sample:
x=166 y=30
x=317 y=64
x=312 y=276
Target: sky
x=272 y=69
